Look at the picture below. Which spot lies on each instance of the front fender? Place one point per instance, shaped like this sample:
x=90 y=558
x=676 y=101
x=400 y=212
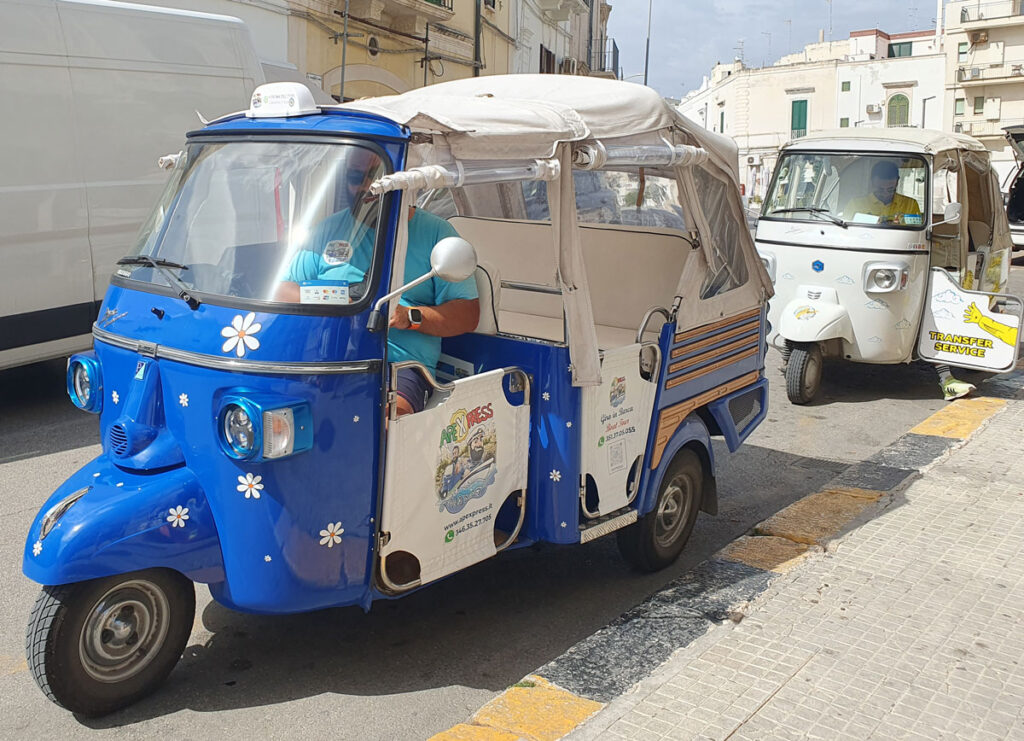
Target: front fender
x=808 y=320
x=125 y=522
x=692 y=432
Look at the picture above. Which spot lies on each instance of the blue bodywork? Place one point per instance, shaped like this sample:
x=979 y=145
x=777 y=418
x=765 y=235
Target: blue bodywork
x=164 y=494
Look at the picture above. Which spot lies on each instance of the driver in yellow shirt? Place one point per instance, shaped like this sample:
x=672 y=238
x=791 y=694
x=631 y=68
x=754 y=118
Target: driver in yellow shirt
x=883 y=201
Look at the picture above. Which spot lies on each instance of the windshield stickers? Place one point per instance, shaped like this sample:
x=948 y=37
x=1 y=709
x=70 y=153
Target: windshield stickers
x=324 y=292
x=467 y=458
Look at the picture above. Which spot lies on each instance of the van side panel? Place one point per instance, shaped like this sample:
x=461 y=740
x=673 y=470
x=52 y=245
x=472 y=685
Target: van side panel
x=148 y=73
x=46 y=283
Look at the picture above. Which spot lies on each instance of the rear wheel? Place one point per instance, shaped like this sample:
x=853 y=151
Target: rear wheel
x=803 y=373
x=97 y=646
x=656 y=539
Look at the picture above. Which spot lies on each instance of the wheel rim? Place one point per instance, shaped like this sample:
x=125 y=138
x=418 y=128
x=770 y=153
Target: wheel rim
x=673 y=511
x=812 y=373
x=124 y=631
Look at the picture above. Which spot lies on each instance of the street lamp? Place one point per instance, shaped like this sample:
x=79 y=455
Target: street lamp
x=647 y=54
x=924 y=107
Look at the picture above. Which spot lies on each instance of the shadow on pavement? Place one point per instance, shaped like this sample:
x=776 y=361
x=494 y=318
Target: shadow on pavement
x=483 y=628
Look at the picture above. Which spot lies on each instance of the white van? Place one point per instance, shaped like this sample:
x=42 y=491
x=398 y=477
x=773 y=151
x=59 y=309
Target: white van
x=94 y=92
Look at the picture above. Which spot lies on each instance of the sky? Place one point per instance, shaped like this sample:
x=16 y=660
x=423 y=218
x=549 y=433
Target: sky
x=688 y=37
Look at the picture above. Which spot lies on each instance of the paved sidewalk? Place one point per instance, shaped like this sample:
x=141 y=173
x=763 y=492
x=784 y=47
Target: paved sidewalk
x=909 y=626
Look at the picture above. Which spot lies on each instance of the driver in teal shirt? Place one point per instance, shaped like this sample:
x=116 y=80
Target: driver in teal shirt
x=337 y=256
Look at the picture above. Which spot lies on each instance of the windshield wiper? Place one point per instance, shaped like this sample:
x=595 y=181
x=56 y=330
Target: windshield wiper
x=162 y=266
x=810 y=209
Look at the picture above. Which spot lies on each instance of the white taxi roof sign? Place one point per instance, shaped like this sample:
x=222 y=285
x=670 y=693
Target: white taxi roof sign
x=281 y=99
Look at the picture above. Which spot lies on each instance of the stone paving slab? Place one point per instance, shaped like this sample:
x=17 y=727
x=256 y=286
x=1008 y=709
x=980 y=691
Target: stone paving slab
x=909 y=627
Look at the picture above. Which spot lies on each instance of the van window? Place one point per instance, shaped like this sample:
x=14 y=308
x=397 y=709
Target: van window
x=244 y=217
x=888 y=191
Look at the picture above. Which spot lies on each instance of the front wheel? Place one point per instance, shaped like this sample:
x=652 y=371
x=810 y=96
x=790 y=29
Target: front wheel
x=97 y=646
x=656 y=539
x=803 y=373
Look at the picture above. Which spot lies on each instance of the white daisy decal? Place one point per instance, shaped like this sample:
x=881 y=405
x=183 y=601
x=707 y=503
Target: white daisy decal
x=250 y=485
x=178 y=516
x=240 y=334
x=546 y=396
x=332 y=534
x=115 y=397
x=37 y=548
x=555 y=475
x=568 y=424
x=565 y=524
x=267 y=559
x=355 y=418
x=183 y=399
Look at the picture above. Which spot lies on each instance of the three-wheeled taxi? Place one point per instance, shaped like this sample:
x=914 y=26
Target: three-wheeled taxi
x=884 y=246
x=250 y=435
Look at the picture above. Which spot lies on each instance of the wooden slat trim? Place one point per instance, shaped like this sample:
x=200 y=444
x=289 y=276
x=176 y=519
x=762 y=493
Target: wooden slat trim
x=673 y=382
x=744 y=343
x=670 y=418
x=697 y=331
x=751 y=327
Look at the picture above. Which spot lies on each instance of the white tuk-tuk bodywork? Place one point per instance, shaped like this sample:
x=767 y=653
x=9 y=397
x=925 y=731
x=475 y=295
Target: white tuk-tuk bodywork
x=820 y=269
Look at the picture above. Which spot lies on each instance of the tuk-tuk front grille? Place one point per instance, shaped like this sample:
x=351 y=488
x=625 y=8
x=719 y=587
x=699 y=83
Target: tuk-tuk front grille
x=118 y=439
x=744 y=408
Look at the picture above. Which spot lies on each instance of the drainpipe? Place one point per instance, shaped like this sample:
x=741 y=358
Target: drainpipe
x=477 y=30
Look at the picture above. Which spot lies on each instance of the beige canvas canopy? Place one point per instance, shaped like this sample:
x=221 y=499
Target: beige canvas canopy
x=547 y=125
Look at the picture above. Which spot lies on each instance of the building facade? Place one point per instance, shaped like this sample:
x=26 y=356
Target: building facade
x=393 y=46
x=985 y=73
x=871 y=79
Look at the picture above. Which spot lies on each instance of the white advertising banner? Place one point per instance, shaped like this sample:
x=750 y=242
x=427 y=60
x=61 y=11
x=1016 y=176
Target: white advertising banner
x=959 y=328
x=449 y=470
x=616 y=419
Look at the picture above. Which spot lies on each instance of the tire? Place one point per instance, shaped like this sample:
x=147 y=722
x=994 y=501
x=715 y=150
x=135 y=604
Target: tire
x=96 y=646
x=656 y=539
x=803 y=374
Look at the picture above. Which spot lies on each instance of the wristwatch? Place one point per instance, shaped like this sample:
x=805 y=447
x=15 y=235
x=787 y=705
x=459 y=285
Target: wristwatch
x=415 y=318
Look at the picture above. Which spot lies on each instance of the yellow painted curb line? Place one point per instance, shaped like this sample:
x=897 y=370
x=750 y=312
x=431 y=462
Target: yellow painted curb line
x=961 y=418
x=818 y=517
x=768 y=553
x=534 y=709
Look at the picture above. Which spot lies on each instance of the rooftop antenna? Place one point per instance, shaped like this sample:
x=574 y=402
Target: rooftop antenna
x=829 y=19
x=769 y=35
x=739 y=48
x=789 y=38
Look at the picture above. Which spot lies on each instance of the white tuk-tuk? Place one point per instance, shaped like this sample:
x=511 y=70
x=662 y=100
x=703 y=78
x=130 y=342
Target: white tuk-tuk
x=884 y=246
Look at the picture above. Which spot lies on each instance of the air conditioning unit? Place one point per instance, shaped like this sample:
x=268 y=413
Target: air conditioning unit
x=754 y=159
x=873 y=108
x=974 y=73
x=569 y=66
x=978 y=37
x=958 y=127
x=1017 y=69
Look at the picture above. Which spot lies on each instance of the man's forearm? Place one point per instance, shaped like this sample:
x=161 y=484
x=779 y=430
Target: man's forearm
x=450 y=318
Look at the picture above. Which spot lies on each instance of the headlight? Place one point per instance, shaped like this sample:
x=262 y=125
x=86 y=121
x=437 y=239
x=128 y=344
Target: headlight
x=85 y=383
x=238 y=433
x=884 y=278
x=264 y=427
x=768 y=260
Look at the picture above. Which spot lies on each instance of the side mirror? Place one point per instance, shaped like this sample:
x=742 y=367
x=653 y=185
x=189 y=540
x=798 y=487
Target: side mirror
x=453 y=259
x=951 y=214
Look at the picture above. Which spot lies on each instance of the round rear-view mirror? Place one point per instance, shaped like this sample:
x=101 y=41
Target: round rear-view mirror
x=453 y=259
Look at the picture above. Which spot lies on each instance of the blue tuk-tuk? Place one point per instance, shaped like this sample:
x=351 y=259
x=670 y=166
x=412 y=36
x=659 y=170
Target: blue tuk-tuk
x=251 y=439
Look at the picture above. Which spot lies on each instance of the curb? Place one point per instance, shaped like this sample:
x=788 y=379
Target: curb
x=564 y=693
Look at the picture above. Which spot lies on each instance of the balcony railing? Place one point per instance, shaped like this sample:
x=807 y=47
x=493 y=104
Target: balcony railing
x=986 y=129
x=988 y=73
x=605 y=57
x=973 y=12
x=446 y=4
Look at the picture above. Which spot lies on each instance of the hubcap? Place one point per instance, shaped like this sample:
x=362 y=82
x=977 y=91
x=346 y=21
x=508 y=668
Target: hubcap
x=124 y=631
x=673 y=511
x=812 y=373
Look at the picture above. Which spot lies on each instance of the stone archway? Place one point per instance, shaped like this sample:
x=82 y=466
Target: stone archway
x=365 y=79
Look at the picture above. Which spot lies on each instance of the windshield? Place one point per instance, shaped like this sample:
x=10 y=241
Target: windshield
x=241 y=219
x=849 y=189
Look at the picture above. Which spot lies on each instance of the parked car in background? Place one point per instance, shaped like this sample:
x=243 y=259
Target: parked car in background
x=94 y=93
x=1015 y=192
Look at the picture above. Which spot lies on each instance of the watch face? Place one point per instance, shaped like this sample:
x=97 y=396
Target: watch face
x=415 y=316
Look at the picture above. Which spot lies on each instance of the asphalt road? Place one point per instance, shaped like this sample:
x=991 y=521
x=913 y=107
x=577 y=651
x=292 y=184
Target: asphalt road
x=415 y=666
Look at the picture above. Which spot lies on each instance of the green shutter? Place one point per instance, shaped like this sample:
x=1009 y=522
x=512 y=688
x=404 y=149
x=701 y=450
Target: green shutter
x=799 y=118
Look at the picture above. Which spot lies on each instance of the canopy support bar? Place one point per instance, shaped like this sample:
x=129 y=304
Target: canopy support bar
x=594 y=155
x=458 y=174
